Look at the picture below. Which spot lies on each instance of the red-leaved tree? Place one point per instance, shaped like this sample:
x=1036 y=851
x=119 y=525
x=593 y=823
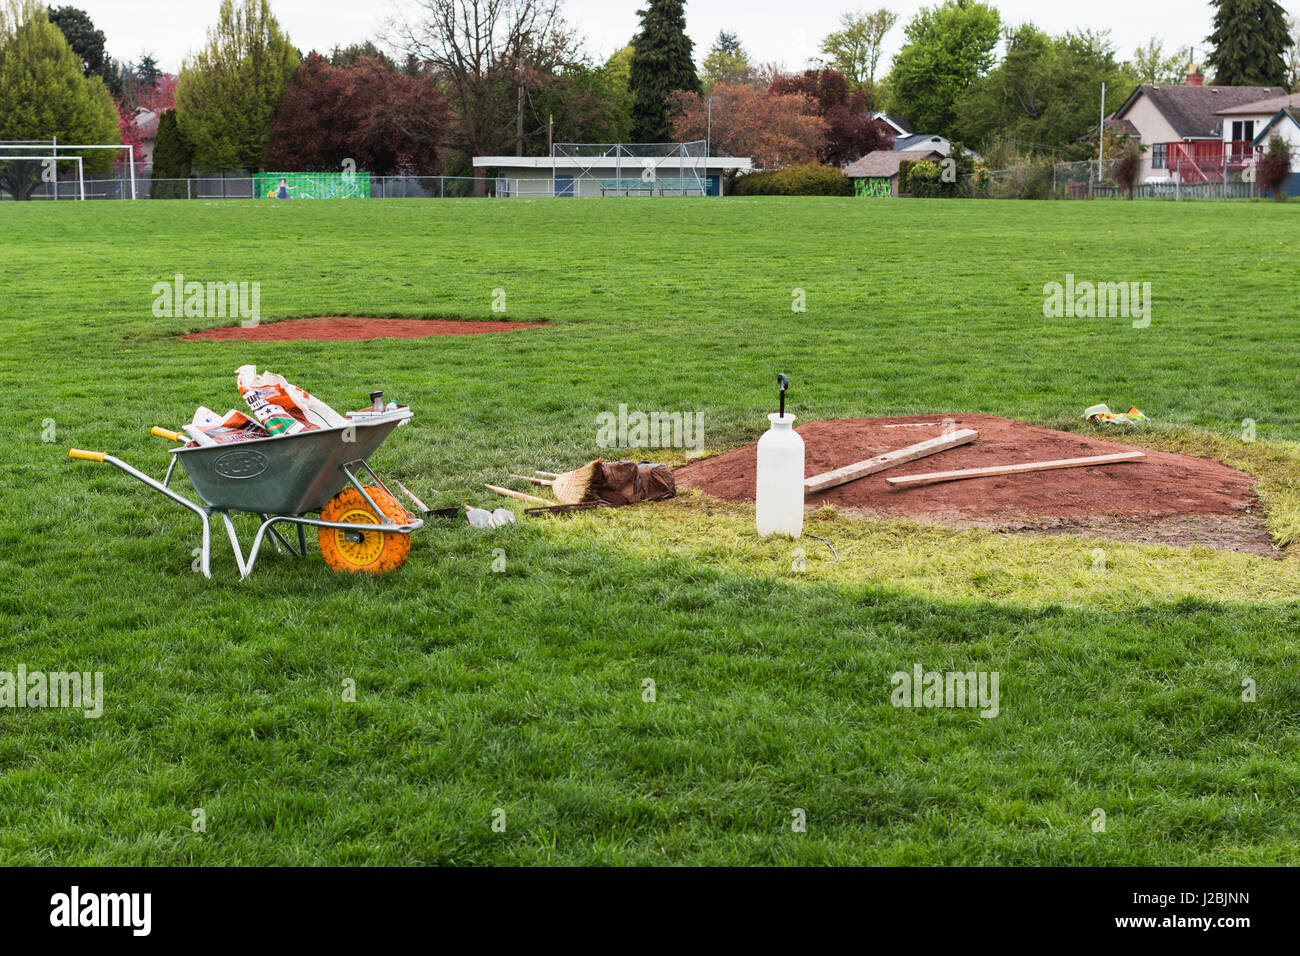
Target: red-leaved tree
x=367 y=112
x=774 y=130
x=850 y=131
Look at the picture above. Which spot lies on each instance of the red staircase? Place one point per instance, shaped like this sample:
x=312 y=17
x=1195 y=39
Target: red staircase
x=1206 y=161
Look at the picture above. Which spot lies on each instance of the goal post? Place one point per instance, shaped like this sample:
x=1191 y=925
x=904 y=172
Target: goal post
x=54 y=152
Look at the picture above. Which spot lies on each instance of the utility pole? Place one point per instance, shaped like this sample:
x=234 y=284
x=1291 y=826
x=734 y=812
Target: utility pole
x=519 y=123
x=708 y=128
x=550 y=133
x=1101 y=132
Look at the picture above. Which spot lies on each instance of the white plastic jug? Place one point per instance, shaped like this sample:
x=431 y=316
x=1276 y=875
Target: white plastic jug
x=778 y=501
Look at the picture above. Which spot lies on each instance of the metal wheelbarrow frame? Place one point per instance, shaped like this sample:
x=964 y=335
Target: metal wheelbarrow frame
x=278 y=479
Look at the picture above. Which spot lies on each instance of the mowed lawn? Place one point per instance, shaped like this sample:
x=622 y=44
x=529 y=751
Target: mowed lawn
x=518 y=697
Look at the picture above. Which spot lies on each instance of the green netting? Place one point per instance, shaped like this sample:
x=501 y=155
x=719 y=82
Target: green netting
x=313 y=185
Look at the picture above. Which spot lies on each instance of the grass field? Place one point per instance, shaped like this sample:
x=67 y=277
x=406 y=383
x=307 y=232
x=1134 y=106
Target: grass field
x=523 y=690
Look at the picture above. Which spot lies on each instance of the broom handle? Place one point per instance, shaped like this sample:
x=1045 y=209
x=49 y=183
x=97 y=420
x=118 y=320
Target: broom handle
x=517 y=494
x=547 y=474
x=536 y=481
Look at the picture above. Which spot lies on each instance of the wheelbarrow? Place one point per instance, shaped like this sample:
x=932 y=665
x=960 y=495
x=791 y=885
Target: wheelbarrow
x=282 y=480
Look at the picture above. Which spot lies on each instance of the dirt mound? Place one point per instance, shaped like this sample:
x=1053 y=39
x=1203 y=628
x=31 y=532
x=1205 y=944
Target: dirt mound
x=336 y=328
x=1164 y=498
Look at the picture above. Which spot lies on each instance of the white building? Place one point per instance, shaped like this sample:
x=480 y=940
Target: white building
x=616 y=173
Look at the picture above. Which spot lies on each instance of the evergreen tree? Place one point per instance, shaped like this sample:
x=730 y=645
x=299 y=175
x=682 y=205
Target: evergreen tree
x=88 y=43
x=44 y=93
x=662 y=64
x=1249 y=39
x=172 y=157
x=227 y=94
x=147 y=71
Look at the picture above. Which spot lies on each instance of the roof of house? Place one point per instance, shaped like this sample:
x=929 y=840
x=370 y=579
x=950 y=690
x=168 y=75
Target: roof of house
x=916 y=140
x=903 y=127
x=1270 y=105
x=1191 y=110
x=1282 y=114
x=884 y=162
x=1121 y=126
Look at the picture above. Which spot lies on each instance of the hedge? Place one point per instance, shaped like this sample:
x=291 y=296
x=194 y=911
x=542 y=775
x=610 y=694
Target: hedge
x=806 y=180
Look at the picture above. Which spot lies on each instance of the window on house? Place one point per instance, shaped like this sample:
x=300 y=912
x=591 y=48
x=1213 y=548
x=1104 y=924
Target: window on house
x=1158 y=156
x=1243 y=129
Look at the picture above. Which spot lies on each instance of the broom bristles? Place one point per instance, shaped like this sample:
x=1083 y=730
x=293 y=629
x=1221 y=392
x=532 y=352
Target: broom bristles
x=574 y=487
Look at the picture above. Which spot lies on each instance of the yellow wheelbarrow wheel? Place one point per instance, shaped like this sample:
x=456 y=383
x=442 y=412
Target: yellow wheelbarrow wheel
x=363 y=549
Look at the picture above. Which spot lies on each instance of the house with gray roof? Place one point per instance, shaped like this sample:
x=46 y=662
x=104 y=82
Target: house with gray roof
x=1191 y=132
x=876 y=174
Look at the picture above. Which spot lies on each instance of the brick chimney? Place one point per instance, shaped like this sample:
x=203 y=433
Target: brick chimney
x=1194 y=76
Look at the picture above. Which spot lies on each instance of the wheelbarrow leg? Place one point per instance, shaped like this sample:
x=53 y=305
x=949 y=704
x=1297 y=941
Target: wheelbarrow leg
x=234 y=545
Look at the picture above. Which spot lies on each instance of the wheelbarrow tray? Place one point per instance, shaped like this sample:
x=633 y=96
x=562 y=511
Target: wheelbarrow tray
x=289 y=475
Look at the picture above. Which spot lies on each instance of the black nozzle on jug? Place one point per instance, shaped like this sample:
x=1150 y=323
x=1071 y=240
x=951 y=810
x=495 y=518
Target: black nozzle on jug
x=783 y=383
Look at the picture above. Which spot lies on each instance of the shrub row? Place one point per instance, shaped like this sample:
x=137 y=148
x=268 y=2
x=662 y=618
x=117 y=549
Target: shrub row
x=807 y=180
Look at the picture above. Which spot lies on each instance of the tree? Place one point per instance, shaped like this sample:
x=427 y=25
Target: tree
x=854 y=49
x=850 y=130
x=88 y=43
x=348 y=55
x=489 y=54
x=1250 y=38
x=661 y=66
x=173 y=157
x=44 y=93
x=1127 y=167
x=773 y=129
x=1045 y=92
x=1151 y=65
x=227 y=93
x=366 y=112
x=147 y=72
x=1274 y=167
x=948 y=47
x=727 y=62
x=1293 y=56
x=588 y=104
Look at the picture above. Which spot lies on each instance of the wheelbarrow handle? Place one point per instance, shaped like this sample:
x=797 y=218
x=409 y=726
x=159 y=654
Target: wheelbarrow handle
x=164 y=433
x=86 y=455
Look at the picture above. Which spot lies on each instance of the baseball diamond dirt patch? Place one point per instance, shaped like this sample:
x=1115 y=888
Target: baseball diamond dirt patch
x=338 y=328
x=1162 y=499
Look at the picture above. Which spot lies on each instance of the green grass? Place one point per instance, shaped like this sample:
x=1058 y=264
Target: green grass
x=522 y=690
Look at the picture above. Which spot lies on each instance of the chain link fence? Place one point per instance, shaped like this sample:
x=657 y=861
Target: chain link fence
x=242 y=187
x=1090 y=179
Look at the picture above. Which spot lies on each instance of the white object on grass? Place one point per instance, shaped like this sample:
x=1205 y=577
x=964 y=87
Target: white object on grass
x=778 y=498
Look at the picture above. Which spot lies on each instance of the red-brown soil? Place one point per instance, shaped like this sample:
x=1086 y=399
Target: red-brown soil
x=1164 y=498
x=336 y=328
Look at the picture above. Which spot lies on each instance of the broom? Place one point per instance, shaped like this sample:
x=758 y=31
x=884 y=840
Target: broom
x=574 y=487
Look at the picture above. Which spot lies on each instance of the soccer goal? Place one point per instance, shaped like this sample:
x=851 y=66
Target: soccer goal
x=27 y=166
x=630 y=169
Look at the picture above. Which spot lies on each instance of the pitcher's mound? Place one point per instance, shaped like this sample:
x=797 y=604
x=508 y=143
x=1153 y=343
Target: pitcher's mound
x=336 y=328
x=1163 y=498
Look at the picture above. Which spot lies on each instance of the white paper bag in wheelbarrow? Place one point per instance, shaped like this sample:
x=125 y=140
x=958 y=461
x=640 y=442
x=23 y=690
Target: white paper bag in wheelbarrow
x=280 y=406
x=209 y=428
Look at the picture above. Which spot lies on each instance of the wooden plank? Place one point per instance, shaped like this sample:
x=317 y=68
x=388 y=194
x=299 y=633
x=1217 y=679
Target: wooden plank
x=899 y=456
x=934 y=477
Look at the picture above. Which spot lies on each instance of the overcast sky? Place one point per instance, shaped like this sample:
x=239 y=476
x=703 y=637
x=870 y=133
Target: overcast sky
x=771 y=30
